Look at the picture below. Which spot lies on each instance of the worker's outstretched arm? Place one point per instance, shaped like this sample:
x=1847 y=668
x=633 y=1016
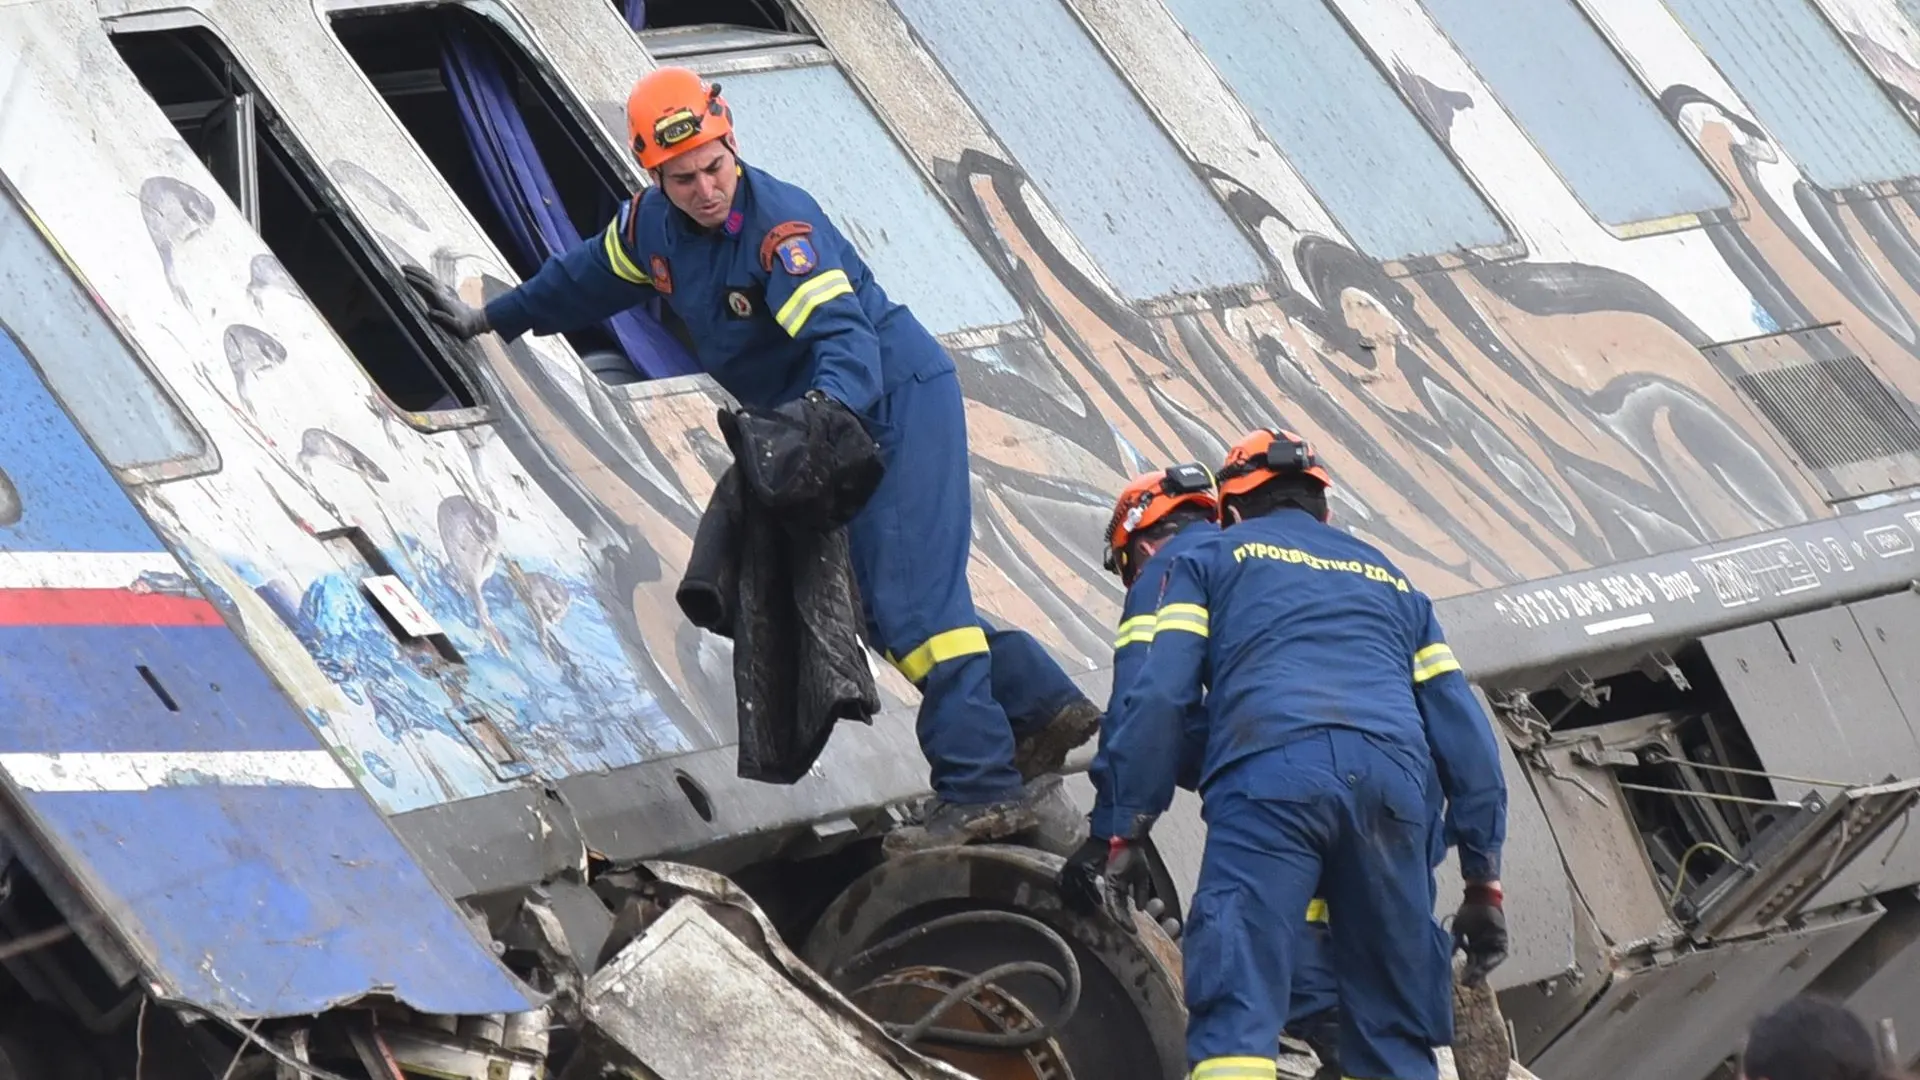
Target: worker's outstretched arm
x=598 y=278
x=1464 y=749
x=811 y=294
x=1144 y=754
x=1129 y=650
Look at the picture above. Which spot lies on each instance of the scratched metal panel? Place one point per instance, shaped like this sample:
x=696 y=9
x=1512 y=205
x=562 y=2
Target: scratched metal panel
x=806 y=124
x=1811 y=697
x=156 y=761
x=1107 y=169
x=1342 y=124
x=1582 y=106
x=1678 y=1020
x=1807 y=87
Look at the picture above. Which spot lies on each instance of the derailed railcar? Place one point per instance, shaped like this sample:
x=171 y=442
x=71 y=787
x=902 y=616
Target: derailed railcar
x=1602 y=314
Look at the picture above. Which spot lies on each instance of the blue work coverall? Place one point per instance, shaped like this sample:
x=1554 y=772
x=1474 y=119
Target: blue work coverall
x=1313 y=990
x=778 y=302
x=1332 y=699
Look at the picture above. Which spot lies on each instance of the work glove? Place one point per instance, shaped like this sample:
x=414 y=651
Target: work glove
x=444 y=306
x=1126 y=882
x=1480 y=930
x=1079 y=880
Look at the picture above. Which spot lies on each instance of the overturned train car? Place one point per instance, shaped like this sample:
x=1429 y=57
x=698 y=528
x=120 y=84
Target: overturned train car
x=340 y=665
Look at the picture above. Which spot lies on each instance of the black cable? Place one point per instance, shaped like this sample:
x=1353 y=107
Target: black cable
x=923 y=1029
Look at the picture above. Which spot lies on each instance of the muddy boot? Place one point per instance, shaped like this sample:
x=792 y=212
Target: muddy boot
x=946 y=824
x=1044 y=751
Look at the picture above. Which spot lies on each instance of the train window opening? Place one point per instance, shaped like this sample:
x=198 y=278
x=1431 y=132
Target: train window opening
x=1343 y=124
x=804 y=124
x=1105 y=166
x=1796 y=72
x=335 y=261
x=1582 y=106
x=411 y=55
x=772 y=15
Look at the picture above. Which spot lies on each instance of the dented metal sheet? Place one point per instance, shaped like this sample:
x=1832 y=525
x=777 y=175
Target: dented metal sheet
x=191 y=806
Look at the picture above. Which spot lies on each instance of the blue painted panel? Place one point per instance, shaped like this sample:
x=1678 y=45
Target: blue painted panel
x=276 y=901
x=1791 y=66
x=1325 y=103
x=809 y=123
x=1580 y=103
x=77 y=688
x=1077 y=128
x=68 y=499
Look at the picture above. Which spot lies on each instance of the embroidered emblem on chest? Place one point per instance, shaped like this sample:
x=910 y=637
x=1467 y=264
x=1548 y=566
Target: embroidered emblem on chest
x=662 y=276
x=739 y=303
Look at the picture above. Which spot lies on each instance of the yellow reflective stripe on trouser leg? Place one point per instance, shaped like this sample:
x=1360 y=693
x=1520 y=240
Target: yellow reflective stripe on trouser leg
x=1236 y=1068
x=799 y=307
x=1316 y=910
x=1433 y=660
x=938 y=649
x=618 y=262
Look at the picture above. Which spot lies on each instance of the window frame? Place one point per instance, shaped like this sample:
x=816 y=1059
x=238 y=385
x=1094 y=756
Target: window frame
x=793 y=56
x=179 y=467
x=1870 y=191
x=301 y=157
x=1631 y=230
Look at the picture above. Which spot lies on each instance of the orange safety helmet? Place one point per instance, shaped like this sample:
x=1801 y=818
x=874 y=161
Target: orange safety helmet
x=1267 y=453
x=670 y=111
x=1149 y=498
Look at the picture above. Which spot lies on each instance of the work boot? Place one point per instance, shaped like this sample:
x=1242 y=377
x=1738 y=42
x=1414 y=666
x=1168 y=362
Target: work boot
x=1046 y=750
x=946 y=824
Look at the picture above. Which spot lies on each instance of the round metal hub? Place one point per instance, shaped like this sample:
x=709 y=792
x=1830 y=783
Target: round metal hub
x=904 y=996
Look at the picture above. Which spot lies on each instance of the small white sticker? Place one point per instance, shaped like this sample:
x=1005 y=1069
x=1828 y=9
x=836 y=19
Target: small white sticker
x=397 y=600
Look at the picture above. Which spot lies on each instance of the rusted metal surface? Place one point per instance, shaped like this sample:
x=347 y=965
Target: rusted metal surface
x=905 y=995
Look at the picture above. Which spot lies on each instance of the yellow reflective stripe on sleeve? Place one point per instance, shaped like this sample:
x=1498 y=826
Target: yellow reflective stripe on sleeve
x=799 y=307
x=938 y=649
x=617 y=259
x=1191 y=618
x=1316 y=910
x=1236 y=1068
x=1134 y=631
x=1433 y=660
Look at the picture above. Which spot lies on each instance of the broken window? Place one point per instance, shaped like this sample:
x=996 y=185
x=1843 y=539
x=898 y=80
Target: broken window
x=1102 y=161
x=330 y=255
x=121 y=407
x=804 y=124
x=1343 y=124
x=521 y=159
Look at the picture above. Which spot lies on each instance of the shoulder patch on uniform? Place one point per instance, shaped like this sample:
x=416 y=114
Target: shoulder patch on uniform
x=662 y=276
x=777 y=239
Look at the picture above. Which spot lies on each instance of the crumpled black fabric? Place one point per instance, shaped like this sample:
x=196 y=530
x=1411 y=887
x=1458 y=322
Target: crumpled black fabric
x=770 y=569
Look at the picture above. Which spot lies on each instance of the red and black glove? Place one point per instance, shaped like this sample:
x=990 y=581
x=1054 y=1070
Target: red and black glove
x=1480 y=930
x=1126 y=883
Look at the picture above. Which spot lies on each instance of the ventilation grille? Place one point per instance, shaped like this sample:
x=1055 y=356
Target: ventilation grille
x=1828 y=403
x=1833 y=412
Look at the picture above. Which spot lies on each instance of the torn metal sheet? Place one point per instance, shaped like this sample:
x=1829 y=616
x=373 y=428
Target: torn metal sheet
x=689 y=1000
x=191 y=807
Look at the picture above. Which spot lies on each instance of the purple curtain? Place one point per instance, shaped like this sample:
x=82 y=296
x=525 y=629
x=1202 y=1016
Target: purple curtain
x=524 y=194
x=637 y=14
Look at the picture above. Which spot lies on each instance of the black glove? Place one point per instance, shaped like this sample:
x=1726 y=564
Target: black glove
x=1079 y=880
x=444 y=306
x=1480 y=930
x=1126 y=883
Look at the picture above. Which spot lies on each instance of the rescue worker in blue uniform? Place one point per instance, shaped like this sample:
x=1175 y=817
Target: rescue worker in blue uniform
x=1158 y=516
x=1332 y=699
x=780 y=306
